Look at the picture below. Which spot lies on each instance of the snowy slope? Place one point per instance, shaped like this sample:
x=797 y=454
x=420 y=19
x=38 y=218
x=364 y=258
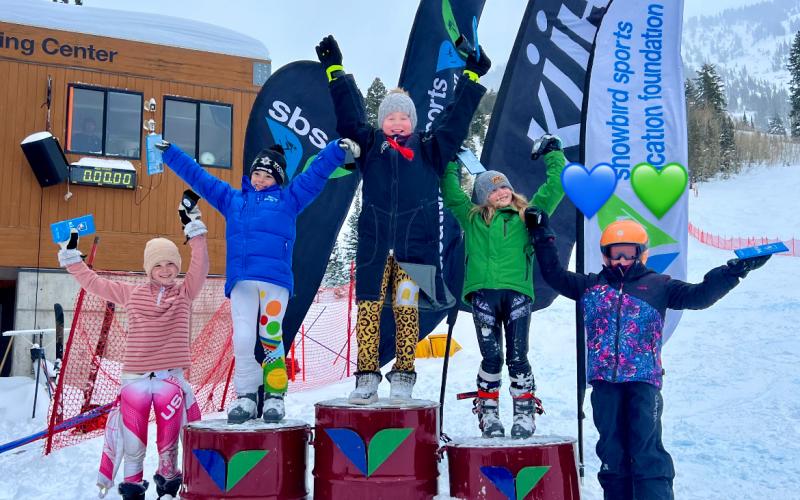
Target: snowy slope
x=731 y=405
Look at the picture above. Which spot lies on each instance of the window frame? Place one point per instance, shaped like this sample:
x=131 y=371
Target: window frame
x=105 y=90
x=197 y=103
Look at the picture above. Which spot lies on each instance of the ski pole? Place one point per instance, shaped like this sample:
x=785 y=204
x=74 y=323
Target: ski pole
x=63 y=426
x=451 y=323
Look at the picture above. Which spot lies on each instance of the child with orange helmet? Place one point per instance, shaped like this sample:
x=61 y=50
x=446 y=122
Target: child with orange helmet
x=623 y=312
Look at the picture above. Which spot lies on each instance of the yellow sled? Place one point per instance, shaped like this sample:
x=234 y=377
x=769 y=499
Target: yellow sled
x=433 y=346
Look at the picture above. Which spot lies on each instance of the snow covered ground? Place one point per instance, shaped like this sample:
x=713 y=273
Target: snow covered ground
x=732 y=411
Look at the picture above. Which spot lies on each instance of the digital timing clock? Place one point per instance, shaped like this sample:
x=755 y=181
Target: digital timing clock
x=88 y=175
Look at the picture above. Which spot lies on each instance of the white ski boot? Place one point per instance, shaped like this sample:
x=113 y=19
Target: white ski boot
x=402 y=385
x=243 y=409
x=488 y=411
x=274 y=408
x=366 y=391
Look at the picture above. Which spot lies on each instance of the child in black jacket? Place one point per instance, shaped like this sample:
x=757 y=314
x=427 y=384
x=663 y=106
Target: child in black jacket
x=623 y=311
x=399 y=225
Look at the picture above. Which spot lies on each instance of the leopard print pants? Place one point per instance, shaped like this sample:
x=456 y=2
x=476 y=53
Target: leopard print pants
x=405 y=304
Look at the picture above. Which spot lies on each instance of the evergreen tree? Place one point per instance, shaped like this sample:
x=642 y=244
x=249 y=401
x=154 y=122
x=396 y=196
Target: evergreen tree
x=776 y=126
x=794 y=87
x=375 y=94
x=350 y=240
x=335 y=274
x=710 y=91
x=728 y=161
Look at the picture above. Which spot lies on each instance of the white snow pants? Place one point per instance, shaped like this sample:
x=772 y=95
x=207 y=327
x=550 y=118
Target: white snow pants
x=257 y=310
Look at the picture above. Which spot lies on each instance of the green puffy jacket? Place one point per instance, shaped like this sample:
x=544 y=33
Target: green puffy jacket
x=499 y=256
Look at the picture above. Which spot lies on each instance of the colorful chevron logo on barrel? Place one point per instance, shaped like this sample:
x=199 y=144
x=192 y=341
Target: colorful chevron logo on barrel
x=226 y=477
x=382 y=445
x=527 y=478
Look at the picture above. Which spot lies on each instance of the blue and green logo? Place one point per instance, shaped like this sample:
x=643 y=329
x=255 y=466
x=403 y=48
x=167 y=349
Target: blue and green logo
x=382 y=445
x=227 y=476
x=515 y=488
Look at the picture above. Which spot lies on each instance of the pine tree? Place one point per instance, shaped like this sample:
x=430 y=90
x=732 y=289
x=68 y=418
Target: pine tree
x=375 y=94
x=776 y=126
x=335 y=272
x=710 y=91
x=794 y=87
x=728 y=161
x=350 y=239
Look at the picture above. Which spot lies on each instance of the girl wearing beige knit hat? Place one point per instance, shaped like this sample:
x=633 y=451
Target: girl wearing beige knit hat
x=156 y=354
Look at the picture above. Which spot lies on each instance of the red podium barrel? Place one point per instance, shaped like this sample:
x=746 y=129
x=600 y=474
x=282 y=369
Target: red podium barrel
x=379 y=451
x=539 y=468
x=249 y=461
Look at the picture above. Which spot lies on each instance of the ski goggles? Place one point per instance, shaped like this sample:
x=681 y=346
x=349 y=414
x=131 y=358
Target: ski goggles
x=619 y=252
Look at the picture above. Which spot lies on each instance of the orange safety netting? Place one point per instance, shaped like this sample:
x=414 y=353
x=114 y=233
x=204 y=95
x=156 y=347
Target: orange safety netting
x=90 y=376
x=734 y=243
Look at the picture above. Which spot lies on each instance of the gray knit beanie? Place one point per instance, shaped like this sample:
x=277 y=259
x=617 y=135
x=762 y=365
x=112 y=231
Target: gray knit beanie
x=487 y=182
x=397 y=100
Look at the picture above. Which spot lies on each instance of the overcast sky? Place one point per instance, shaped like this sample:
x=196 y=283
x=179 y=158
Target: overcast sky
x=371 y=33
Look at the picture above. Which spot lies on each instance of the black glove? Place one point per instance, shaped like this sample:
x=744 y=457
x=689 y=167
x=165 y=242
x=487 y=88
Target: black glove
x=72 y=242
x=162 y=145
x=188 y=210
x=478 y=66
x=740 y=267
x=328 y=52
x=538 y=224
x=545 y=144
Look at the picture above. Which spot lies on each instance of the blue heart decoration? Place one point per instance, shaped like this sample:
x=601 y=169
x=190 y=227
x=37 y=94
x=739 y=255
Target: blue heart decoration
x=589 y=189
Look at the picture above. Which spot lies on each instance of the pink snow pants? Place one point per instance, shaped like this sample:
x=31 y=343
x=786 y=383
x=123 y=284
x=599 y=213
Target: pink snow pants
x=163 y=391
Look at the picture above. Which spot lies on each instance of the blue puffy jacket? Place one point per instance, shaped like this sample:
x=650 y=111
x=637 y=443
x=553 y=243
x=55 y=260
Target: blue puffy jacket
x=260 y=225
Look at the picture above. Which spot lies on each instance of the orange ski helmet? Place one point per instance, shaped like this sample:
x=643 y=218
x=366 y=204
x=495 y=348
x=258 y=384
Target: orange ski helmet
x=625 y=231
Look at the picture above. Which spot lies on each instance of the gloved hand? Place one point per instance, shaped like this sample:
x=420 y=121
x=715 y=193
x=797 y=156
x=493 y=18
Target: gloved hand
x=162 y=145
x=189 y=213
x=351 y=151
x=328 y=52
x=740 y=267
x=538 y=224
x=478 y=66
x=545 y=144
x=69 y=253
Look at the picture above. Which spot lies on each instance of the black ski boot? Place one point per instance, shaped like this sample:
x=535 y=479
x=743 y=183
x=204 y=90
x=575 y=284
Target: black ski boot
x=274 y=408
x=526 y=406
x=167 y=489
x=488 y=411
x=132 y=491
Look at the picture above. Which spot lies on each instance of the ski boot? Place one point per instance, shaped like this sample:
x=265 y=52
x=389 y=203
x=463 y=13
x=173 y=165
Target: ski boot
x=167 y=489
x=366 y=391
x=243 y=409
x=526 y=406
x=402 y=384
x=486 y=406
x=132 y=491
x=274 y=409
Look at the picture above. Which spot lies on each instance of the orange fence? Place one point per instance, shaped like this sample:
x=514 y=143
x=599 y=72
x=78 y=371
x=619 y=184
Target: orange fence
x=717 y=241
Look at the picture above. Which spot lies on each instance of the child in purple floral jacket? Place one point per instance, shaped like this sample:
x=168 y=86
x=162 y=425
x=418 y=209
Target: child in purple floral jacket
x=623 y=310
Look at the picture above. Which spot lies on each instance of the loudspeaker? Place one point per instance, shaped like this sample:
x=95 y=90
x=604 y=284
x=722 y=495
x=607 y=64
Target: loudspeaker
x=46 y=158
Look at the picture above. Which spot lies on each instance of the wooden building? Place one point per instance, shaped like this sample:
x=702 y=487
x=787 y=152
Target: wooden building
x=100 y=81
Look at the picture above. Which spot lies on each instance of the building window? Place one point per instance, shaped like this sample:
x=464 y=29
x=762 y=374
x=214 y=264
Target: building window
x=201 y=129
x=104 y=122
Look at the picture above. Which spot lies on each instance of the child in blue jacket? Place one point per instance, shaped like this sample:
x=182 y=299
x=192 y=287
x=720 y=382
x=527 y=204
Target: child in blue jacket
x=623 y=311
x=260 y=234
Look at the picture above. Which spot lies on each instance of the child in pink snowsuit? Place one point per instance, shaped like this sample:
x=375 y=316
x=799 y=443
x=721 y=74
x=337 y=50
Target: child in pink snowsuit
x=155 y=357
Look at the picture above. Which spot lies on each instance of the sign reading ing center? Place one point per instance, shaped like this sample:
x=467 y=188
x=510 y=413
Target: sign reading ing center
x=53 y=47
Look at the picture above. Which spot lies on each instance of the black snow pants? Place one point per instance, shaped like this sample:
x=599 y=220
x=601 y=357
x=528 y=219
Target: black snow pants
x=634 y=463
x=494 y=311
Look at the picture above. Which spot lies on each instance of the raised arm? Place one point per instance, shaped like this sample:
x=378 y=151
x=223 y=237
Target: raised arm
x=308 y=185
x=218 y=193
x=551 y=192
x=567 y=283
x=348 y=103
x=454 y=197
x=69 y=257
x=195 y=231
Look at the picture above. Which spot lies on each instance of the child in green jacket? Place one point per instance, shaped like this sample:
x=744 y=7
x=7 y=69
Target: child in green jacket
x=498 y=281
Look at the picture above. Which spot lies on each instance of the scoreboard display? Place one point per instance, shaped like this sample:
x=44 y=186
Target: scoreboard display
x=88 y=175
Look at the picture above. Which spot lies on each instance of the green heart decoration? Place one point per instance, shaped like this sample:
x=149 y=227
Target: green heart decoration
x=659 y=189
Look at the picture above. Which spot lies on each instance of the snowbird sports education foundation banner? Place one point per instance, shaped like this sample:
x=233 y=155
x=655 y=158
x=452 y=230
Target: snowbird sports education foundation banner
x=543 y=92
x=636 y=114
x=294 y=109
